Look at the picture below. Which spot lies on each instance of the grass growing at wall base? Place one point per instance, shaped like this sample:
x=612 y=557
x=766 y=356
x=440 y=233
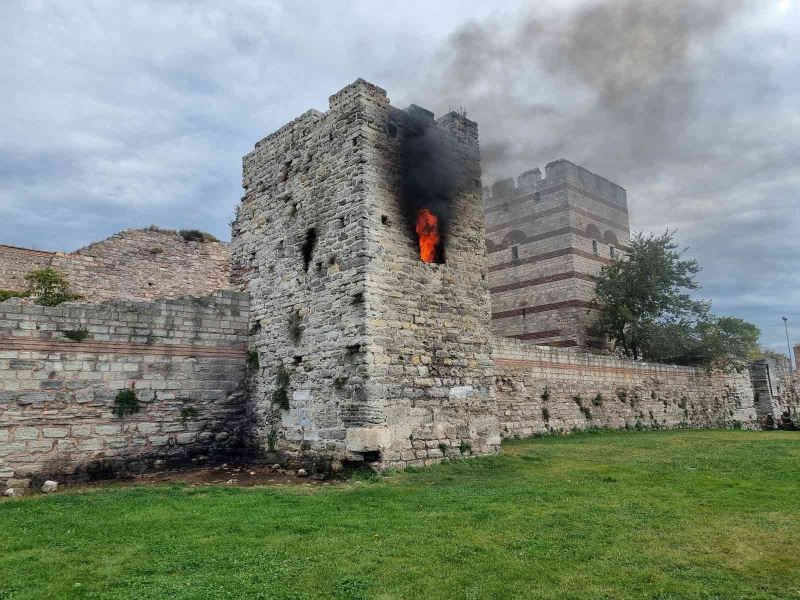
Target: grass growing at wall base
x=665 y=515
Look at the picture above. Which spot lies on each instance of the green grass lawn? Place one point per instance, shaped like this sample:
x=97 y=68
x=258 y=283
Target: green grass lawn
x=614 y=515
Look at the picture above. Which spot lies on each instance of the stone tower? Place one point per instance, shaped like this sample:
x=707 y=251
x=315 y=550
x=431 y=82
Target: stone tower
x=366 y=352
x=546 y=241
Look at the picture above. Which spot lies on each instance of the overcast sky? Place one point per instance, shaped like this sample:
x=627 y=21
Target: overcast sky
x=125 y=114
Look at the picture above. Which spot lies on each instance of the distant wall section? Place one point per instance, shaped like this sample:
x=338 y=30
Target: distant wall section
x=541 y=389
x=135 y=264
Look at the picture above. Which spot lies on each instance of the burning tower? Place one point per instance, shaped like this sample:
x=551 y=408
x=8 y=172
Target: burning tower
x=360 y=238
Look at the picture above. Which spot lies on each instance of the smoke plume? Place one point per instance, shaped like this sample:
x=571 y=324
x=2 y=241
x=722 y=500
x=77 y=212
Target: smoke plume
x=428 y=178
x=616 y=75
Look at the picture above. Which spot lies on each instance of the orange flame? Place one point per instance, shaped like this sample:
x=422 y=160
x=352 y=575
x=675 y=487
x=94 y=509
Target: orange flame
x=428 y=233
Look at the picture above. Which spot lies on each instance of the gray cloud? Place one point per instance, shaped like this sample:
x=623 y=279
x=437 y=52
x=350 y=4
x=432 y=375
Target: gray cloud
x=117 y=115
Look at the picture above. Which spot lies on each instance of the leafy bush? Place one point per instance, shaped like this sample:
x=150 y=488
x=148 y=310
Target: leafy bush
x=597 y=400
x=76 y=335
x=545 y=414
x=126 y=402
x=195 y=235
x=49 y=287
x=546 y=393
x=465 y=447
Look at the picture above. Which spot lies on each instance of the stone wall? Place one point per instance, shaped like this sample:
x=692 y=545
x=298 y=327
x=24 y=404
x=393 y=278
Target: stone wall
x=541 y=389
x=15 y=263
x=186 y=360
x=547 y=239
x=367 y=353
x=777 y=393
x=135 y=264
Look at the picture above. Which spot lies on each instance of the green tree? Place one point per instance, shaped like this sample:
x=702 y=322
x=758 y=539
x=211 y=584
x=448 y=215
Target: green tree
x=49 y=287
x=647 y=312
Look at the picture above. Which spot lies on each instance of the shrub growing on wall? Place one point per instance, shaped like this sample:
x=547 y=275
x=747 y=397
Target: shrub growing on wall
x=49 y=287
x=126 y=402
x=195 y=235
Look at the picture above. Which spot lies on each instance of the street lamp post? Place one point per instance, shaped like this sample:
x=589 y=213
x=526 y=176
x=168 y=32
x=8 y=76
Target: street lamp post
x=788 y=344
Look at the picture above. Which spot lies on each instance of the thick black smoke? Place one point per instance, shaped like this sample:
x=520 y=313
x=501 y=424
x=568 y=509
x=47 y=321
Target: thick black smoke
x=618 y=75
x=429 y=175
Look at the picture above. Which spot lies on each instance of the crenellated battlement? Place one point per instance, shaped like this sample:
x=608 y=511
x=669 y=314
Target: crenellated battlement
x=558 y=172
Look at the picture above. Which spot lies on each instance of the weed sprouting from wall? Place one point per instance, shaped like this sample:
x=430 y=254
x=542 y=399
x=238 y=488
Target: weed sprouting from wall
x=126 y=402
x=281 y=394
x=465 y=447
x=6 y=294
x=49 y=287
x=195 y=235
x=272 y=440
x=189 y=412
x=253 y=360
x=545 y=414
x=546 y=393
x=76 y=335
x=598 y=400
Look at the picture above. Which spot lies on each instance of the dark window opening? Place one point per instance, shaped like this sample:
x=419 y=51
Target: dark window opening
x=355 y=141
x=594 y=246
x=332 y=260
x=611 y=251
x=297 y=360
x=353 y=349
x=330 y=136
x=308 y=247
x=319 y=266
x=384 y=219
x=514 y=254
x=285 y=171
x=358 y=298
x=341 y=222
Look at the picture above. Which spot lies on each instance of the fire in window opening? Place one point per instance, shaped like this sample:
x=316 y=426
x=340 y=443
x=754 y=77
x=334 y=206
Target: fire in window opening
x=429 y=236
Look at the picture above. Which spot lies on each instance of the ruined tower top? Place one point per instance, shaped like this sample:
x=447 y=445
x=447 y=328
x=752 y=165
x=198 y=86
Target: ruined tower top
x=557 y=172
